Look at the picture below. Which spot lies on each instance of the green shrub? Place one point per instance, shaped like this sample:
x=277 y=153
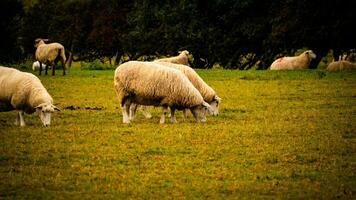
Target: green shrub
x=95 y=65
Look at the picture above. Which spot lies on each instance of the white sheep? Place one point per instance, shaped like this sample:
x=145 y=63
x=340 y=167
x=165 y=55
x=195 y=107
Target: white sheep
x=296 y=62
x=182 y=58
x=24 y=92
x=50 y=54
x=36 y=65
x=341 y=65
x=208 y=94
x=148 y=83
x=351 y=57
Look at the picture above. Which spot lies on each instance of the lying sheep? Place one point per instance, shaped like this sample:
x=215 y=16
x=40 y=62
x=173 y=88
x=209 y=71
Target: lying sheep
x=341 y=65
x=208 y=94
x=50 y=54
x=148 y=83
x=351 y=57
x=24 y=92
x=182 y=58
x=36 y=65
x=296 y=62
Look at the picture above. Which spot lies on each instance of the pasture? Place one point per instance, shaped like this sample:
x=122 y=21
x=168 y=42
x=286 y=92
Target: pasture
x=280 y=134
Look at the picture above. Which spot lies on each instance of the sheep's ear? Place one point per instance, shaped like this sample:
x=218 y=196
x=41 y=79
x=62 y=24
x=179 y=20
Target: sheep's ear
x=208 y=107
x=40 y=106
x=56 y=108
x=45 y=40
x=205 y=104
x=216 y=98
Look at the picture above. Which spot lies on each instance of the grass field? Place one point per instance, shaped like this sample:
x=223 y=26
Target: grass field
x=284 y=135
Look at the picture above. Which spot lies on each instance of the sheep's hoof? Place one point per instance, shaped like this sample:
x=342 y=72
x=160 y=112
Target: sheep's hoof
x=161 y=121
x=126 y=121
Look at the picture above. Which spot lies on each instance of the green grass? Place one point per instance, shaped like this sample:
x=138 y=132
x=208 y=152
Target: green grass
x=284 y=135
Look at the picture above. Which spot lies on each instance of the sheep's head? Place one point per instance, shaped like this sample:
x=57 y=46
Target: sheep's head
x=215 y=105
x=310 y=54
x=351 y=57
x=185 y=52
x=40 y=41
x=45 y=111
x=200 y=110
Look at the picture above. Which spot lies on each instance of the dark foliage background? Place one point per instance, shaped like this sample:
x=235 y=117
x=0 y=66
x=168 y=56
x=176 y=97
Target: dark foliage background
x=235 y=34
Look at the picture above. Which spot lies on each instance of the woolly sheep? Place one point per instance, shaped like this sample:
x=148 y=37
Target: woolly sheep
x=148 y=83
x=296 y=62
x=351 y=57
x=50 y=54
x=182 y=58
x=24 y=92
x=341 y=65
x=36 y=65
x=208 y=94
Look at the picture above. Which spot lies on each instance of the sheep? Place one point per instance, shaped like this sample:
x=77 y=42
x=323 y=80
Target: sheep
x=341 y=65
x=36 y=65
x=296 y=62
x=24 y=92
x=351 y=57
x=148 y=83
x=50 y=54
x=208 y=94
x=182 y=58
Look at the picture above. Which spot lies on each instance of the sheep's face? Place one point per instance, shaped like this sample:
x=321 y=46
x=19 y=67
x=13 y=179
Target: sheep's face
x=200 y=110
x=44 y=112
x=311 y=54
x=185 y=52
x=215 y=106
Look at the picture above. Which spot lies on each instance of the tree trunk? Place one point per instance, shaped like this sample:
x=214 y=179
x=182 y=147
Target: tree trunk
x=70 y=57
x=336 y=54
x=320 y=53
x=117 y=57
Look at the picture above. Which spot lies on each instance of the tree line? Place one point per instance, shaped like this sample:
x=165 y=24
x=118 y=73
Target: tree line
x=234 y=34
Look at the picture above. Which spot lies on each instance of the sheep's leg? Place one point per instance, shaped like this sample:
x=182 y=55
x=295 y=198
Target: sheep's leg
x=173 y=118
x=40 y=68
x=46 y=69
x=64 y=66
x=53 y=65
x=163 y=116
x=185 y=114
x=19 y=119
x=133 y=109
x=125 y=107
x=146 y=113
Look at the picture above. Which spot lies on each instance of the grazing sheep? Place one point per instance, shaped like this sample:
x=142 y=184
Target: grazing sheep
x=296 y=62
x=351 y=57
x=36 y=65
x=208 y=94
x=50 y=54
x=148 y=83
x=182 y=58
x=24 y=92
x=341 y=65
